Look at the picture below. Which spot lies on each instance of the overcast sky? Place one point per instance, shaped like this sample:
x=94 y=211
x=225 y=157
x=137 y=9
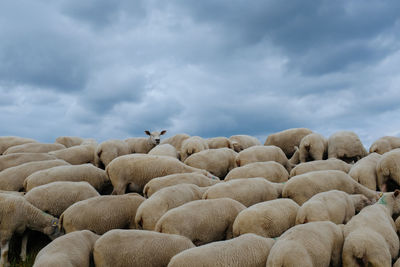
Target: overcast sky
x=112 y=69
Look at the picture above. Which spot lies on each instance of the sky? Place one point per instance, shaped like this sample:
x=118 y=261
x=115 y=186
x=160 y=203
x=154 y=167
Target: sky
x=112 y=69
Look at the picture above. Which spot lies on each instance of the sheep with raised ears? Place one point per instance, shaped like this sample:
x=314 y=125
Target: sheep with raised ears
x=268 y=219
x=270 y=170
x=287 y=140
x=137 y=170
x=202 y=221
x=153 y=208
x=262 y=154
x=70 y=250
x=239 y=189
x=302 y=187
x=385 y=144
x=108 y=150
x=33 y=148
x=69 y=141
x=73 y=173
x=313 y=147
x=13 y=178
x=219 y=142
x=9 y=141
x=370 y=236
x=17 y=214
x=246 y=250
x=54 y=198
x=12 y=160
x=388 y=171
x=101 y=214
x=311 y=244
x=347 y=146
x=335 y=206
x=164 y=150
x=364 y=171
x=217 y=161
x=77 y=155
x=143 y=144
x=321 y=165
x=241 y=142
x=180 y=178
x=137 y=248
x=191 y=146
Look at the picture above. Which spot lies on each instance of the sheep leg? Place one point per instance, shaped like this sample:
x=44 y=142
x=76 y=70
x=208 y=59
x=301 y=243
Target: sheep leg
x=24 y=244
x=4 y=252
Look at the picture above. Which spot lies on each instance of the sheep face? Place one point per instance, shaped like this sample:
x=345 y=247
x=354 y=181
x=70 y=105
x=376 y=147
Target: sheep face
x=53 y=230
x=154 y=137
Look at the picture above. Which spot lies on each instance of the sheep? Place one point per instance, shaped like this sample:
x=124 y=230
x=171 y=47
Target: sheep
x=267 y=219
x=385 y=144
x=334 y=205
x=247 y=191
x=388 y=170
x=176 y=140
x=364 y=171
x=17 y=214
x=346 y=145
x=101 y=214
x=313 y=147
x=287 y=139
x=192 y=145
x=73 y=173
x=202 y=221
x=241 y=142
x=270 y=170
x=13 y=178
x=76 y=155
x=138 y=169
x=108 y=150
x=217 y=161
x=397 y=263
x=261 y=154
x=69 y=141
x=55 y=197
x=219 y=142
x=312 y=244
x=33 y=148
x=245 y=250
x=143 y=144
x=370 y=237
x=189 y=178
x=70 y=250
x=295 y=159
x=164 y=150
x=151 y=210
x=9 y=141
x=12 y=160
x=137 y=248
x=321 y=165
x=302 y=187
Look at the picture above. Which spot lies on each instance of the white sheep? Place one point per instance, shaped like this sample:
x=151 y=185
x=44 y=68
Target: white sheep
x=334 y=205
x=202 y=221
x=241 y=142
x=313 y=147
x=69 y=141
x=219 y=142
x=76 y=155
x=164 y=150
x=13 y=178
x=137 y=248
x=151 y=210
x=108 y=150
x=176 y=140
x=388 y=170
x=33 y=148
x=179 y=178
x=320 y=165
x=247 y=191
x=364 y=170
x=217 y=161
x=245 y=250
x=143 y=144
x=9 y=141
x=12 y=160
x=54 y=198
x=73 y=173
x=346 y=145
x=192 y=145
x=385 y=144
x=101 y=214
x=268 y=219
x=270 y=170
x=137 y=170
x=70 y=250
x=287 y=140
x=17 y=214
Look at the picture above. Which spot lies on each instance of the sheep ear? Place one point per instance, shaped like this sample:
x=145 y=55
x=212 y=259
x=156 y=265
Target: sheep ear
x=147 y=132
x=163 y=132
x=396 y=192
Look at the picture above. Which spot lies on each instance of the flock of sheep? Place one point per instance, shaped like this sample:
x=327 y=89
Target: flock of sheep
x=298 y=200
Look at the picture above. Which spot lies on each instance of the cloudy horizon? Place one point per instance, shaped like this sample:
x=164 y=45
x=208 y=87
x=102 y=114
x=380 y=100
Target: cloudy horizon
x=112 y=69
